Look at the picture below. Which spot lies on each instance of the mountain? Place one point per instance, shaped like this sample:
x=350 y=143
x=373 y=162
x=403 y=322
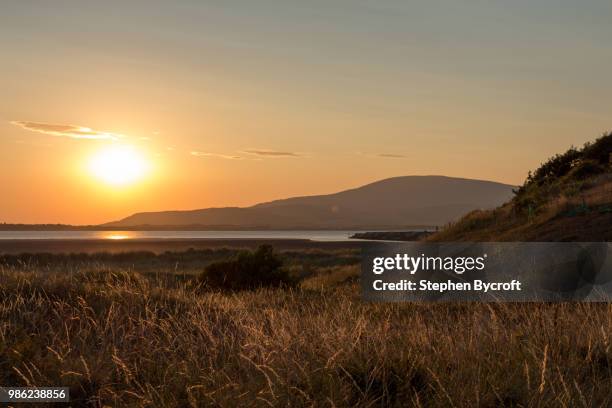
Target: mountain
x=568 y=198
x=391 y=203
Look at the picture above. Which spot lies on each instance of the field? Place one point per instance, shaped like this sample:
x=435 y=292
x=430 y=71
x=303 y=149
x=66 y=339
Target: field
x=134 y=329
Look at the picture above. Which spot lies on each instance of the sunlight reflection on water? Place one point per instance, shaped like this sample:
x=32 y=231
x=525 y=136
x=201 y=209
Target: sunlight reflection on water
x=117 y=236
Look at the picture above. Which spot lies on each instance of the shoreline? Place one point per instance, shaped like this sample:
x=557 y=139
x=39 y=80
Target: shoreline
x=395 y=236
x=157 y=245
x=198 y=227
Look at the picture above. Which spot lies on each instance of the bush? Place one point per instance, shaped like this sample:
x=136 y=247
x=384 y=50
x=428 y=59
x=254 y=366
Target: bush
x=563 y=171
x=247 y=271
x=556 y=167
x=599 y=150
x=586 y=169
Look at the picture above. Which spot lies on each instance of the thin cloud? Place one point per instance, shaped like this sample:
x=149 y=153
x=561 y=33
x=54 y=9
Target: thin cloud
x=384 y=155
x=70 y=131
x=221 y=156
x=271 y=153
x=392 y=156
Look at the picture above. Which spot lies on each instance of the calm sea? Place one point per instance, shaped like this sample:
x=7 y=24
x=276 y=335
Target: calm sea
x=120 y=235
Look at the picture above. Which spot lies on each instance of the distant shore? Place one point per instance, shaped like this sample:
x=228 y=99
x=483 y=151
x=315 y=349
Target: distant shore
x=392 y=235
x=194 y=227
x=18 y=246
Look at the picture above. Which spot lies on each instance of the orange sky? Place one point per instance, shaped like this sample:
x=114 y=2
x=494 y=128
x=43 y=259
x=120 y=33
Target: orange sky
x=286 y=99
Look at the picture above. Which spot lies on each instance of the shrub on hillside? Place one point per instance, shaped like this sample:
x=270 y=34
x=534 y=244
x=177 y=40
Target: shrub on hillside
x=585 y=169
x=247 y=271
x=599 y=150
x=555 y=167
x=563 y=172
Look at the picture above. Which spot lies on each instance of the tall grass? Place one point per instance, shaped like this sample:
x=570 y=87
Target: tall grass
x=120 y=337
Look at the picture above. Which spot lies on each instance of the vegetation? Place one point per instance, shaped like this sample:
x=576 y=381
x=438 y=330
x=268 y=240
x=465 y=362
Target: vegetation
x=135 y=329
x=568 y=198
x=564 y=174
x=124 y=336
x=248 y=270
x=392 y=235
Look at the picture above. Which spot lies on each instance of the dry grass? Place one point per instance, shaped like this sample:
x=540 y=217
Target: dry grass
x=122 y=338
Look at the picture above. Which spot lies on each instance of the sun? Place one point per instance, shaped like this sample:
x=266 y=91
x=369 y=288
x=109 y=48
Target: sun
x=118 y=165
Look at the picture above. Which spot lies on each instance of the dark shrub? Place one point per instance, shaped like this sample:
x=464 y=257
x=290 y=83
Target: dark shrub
x=247 y=271
x=586 y=169
x=562 y=170
x=556 y=167
x=599 y=150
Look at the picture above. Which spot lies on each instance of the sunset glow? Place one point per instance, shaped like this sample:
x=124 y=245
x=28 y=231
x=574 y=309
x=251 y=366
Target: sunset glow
x=118 y=165
x=231 y=104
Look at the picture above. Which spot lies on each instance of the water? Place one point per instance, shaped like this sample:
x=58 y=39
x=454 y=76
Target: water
x=126 y=235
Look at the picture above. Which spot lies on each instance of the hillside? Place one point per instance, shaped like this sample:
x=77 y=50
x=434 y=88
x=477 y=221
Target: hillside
x=568 y=198
x=391 y=203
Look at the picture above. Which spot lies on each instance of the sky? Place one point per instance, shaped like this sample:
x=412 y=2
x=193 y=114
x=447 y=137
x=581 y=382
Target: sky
x=230 y=103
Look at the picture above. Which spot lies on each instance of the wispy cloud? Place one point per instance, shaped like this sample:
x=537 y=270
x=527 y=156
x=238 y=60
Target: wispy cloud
x=392 y=156
x=383 y=155
x=221 y=156
x=271 y=153
x=71 y=131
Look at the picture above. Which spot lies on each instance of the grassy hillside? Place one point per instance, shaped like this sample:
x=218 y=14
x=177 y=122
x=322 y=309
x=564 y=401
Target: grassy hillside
x=119 y=331
x=568 y=198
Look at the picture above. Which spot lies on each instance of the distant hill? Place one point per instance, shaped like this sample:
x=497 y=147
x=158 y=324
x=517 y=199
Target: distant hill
x=391 y=203
x=568 y=198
